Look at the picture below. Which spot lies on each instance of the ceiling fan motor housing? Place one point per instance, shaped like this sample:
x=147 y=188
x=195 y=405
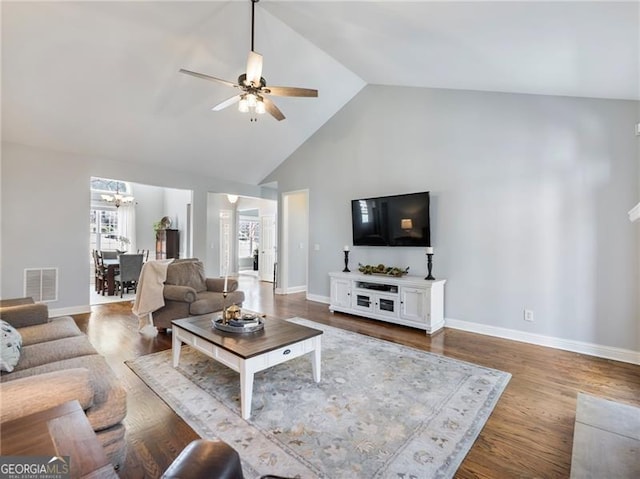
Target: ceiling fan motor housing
x=242 y=81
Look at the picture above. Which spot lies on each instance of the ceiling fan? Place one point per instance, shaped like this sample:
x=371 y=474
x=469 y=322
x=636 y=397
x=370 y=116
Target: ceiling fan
x=254 y=90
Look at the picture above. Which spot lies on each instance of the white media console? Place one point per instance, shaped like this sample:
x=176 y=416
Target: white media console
x=408 y=300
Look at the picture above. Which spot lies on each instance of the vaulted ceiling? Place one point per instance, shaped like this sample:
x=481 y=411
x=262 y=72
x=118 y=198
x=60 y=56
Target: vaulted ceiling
x=101 y=78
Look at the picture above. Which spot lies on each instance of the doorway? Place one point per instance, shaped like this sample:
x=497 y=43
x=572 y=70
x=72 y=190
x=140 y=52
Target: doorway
x=249 y=233
x=294 y=255
x=251 y=240
x=130 y=225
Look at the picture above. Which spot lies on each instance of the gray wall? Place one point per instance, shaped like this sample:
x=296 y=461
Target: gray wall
x=149 y=209
x=152 y=204
x=175 y=207
x=45 y=201
x=529 y=202
x=212 y=258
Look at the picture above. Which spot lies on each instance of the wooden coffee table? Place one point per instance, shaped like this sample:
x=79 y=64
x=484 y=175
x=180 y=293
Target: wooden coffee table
x=248 y=353
x=60 y=431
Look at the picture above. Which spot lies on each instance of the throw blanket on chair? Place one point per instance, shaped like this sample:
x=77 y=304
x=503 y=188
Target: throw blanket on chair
x=149 y=295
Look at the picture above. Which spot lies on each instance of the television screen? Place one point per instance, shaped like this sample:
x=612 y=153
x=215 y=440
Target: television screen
x=401 y=220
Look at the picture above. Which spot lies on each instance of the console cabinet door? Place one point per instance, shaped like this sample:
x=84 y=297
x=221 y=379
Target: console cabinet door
x=386 y=305
x=363 y=301
x=414 y=305
x=341 y=292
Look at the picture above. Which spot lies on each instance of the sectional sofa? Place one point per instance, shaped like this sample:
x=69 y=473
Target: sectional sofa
x=56 y=364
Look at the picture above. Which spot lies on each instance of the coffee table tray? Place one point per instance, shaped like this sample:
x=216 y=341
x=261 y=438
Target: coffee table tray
x=218 y=324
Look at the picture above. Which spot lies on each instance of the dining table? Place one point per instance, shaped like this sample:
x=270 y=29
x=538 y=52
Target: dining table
x=112 y=266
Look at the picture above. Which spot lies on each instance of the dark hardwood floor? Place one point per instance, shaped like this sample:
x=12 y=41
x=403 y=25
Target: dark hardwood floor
x=529 y=434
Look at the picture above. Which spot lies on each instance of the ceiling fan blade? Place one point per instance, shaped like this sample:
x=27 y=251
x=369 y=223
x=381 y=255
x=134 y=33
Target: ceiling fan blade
x=291 y=91
x=207 y=77
x=272 y=109
x=254 y=68
x=227 y=102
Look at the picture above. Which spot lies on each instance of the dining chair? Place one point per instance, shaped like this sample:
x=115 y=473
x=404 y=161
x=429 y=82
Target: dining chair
x=100 y=272
x=109 y=254
x=145 y=254
x=127 y=277
x=95 y=270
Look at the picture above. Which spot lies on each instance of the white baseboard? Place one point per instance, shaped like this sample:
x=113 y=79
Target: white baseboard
x=607 y=352
x=319 y=299
x=293 y=289
x=54 y=313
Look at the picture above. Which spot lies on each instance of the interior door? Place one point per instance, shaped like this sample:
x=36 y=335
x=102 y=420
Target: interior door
x=266 y=261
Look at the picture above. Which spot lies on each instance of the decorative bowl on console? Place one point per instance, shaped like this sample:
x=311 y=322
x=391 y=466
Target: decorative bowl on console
x=382 y=270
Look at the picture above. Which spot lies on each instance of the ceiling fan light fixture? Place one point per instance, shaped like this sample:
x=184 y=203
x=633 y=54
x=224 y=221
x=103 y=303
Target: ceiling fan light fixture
x=260 y=108
x=243 y=105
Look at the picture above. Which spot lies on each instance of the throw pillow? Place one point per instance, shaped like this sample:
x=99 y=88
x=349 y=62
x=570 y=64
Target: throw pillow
x=10 y=345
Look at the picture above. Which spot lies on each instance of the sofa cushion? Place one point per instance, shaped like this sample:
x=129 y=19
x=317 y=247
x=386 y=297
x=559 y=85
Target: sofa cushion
x=36 y=393
x=21 y=315
x=52 y=351
x=58 y=328
x=109 y=396
x=187 y=273
x=210 y=302
x=5 y=303
x=10 y=345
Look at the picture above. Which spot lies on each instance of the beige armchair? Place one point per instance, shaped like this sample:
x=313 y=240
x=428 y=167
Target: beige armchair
x=187 y=292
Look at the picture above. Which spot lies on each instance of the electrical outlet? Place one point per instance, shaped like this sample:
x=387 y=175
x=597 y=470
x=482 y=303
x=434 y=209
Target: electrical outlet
x=528 y=315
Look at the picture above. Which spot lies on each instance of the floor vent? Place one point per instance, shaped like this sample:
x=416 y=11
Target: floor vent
x=41 y=284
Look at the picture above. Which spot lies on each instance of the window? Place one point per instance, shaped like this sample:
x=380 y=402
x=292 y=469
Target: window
x=103 y=229
x=103 y=185
x=248 y=236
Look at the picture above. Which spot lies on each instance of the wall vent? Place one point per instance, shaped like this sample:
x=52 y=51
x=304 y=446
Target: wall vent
x=41 y=284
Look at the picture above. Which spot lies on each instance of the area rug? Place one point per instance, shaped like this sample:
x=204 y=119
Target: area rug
x=381 y=410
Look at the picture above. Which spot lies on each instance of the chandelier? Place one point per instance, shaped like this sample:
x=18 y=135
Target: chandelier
x=117 y=199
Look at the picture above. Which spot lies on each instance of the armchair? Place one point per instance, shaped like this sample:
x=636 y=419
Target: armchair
x=187 y=292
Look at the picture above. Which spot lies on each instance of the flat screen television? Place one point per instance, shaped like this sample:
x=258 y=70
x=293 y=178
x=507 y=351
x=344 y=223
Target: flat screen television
x=400 y=220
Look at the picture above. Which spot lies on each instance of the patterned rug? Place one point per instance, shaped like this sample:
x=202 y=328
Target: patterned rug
x=381 y=410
